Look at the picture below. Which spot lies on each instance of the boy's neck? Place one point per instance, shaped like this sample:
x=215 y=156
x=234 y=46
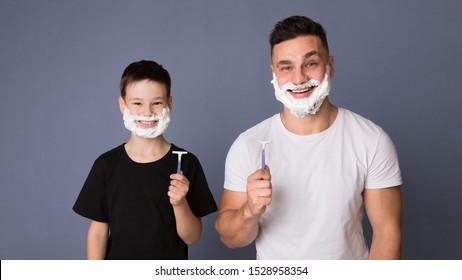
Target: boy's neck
x=145 y=150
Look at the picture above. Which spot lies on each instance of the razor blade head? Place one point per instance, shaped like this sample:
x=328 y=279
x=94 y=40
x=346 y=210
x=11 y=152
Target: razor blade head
x=179 y=152
x=263 y=143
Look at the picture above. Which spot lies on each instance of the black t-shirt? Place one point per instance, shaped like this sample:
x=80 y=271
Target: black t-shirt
x=132 y=198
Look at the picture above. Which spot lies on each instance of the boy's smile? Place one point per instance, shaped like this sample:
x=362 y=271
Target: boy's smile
x=146 y=124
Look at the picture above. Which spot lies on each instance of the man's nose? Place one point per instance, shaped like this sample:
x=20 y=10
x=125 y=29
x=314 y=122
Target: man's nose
x=299 y=77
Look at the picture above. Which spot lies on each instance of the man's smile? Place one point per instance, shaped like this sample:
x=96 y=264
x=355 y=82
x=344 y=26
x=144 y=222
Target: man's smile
x=301 y=92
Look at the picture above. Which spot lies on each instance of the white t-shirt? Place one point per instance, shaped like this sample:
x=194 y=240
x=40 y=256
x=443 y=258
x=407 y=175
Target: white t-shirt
x=317 y=181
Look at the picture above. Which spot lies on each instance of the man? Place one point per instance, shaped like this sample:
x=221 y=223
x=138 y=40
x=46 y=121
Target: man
x=326 y=164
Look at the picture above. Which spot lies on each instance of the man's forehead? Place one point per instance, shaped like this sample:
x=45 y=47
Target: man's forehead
x=299 y=47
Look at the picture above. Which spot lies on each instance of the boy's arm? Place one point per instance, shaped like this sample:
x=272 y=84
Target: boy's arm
x=383 y=208
x=97 y=237
x=188 y=226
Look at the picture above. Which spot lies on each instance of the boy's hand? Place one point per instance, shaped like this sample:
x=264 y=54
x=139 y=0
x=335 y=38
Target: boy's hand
x=179 y=187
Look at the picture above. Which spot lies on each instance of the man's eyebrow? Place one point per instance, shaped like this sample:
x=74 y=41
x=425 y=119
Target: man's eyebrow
x=306 y=56
x=284 y=62
x=310 y=54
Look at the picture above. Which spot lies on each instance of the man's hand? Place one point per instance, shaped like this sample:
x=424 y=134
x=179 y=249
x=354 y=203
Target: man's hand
x=259 y=191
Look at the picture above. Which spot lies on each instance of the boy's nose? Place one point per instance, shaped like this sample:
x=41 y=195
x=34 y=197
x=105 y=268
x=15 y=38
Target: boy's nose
x=148 y=111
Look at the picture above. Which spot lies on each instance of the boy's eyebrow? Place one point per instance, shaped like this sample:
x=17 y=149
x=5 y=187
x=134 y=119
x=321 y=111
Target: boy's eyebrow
x=141 y=99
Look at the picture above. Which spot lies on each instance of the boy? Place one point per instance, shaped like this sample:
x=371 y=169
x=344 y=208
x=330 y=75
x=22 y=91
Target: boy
x=139 y=207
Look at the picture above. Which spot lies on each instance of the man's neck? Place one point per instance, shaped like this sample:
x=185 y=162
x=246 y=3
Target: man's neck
x=311 y=124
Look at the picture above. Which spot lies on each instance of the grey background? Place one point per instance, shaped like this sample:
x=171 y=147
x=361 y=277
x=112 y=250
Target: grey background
x=397 y=63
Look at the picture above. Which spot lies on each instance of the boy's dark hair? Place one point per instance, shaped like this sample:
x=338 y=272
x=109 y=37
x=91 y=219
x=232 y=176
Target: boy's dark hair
x=295 y=26
x=142 y=70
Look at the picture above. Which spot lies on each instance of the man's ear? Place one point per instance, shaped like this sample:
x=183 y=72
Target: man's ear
x=332 y=66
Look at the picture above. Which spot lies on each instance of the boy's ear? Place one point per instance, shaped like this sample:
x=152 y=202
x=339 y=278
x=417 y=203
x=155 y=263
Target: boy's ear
x=169 y=103
x=121 y=104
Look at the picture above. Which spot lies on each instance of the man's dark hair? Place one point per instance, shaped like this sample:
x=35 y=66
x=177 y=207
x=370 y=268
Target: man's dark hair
x=144 y=70
x=295 y=26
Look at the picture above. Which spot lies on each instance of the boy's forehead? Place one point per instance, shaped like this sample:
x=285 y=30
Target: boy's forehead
x=145 y=82
x=147 y=87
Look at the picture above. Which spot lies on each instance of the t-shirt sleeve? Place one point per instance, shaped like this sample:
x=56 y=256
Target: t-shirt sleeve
x=200 y=198
x=384 y=170
x=92 y=200
x=237 y=166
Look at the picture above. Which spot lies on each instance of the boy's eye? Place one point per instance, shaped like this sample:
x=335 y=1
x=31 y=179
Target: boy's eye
x=137 y=103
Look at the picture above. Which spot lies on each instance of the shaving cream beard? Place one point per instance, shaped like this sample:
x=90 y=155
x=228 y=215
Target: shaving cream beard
x=304 y=106
x=162 y=123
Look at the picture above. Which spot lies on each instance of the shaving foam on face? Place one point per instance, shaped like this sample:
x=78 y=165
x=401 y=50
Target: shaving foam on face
x=163 y=121
x=304 y=106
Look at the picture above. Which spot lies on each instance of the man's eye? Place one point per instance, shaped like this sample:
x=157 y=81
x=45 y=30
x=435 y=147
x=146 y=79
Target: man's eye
x=286 y=68
x=311 y=64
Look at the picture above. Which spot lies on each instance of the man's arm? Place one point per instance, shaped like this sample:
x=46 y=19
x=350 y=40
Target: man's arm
x=237 y=221
x=383 y=208
x=97 y=236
